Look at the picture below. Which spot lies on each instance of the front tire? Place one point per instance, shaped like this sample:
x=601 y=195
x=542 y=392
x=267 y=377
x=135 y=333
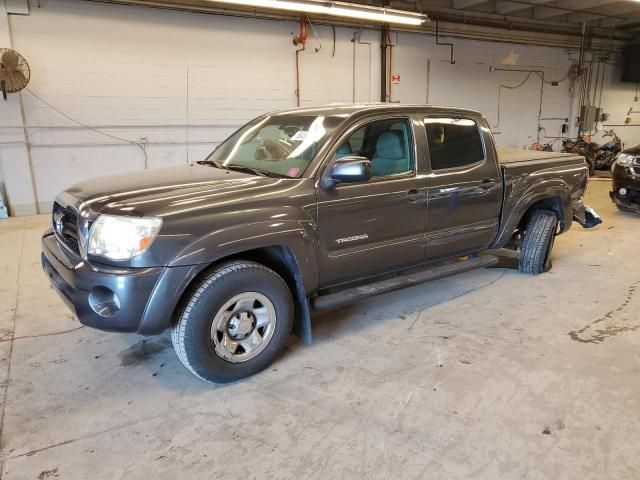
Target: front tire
x=539 y=236
x=233 y=322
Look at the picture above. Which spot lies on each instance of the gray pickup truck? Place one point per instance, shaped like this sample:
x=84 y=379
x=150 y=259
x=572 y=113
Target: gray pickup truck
x=300 y=210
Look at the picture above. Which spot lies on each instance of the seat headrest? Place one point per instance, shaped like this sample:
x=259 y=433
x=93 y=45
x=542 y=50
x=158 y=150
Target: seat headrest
x=389 y=146
x=345 y=149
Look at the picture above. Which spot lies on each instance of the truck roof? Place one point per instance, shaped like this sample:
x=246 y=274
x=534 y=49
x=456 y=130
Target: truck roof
x=348 y=109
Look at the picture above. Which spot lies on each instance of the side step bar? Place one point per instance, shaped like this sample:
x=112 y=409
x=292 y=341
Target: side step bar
x=354 y=294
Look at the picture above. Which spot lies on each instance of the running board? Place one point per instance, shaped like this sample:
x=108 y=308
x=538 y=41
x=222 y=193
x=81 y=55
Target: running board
x=354 y=294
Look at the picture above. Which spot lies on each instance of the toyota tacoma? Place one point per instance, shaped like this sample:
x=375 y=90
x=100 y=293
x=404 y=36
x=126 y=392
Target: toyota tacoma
x=300 y=210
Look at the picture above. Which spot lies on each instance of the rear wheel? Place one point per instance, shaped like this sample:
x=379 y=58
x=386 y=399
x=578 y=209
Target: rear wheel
x=233 y=322
x=539 y=236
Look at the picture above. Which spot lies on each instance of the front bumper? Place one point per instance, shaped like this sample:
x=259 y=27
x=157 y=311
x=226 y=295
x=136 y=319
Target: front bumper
x=623 y=177
x=138 y=300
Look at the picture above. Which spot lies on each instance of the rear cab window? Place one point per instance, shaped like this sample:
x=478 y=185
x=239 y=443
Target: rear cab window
x=453 y=142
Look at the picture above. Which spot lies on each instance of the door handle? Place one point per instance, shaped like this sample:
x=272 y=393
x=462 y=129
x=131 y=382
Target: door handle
x=415 y=196
x=488 y=182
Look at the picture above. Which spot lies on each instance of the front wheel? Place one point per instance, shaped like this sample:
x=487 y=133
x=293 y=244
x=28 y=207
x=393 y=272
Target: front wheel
x=539 y=236
x=233 y=322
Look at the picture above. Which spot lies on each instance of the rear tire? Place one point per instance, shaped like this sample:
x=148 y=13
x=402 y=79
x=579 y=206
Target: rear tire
x=233 y=322
x=539 y=236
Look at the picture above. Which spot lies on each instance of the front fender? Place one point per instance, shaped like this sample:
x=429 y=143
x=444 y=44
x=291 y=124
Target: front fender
x=298 y=235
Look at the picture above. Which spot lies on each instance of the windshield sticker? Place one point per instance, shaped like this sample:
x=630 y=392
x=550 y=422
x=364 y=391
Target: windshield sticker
x=300 y=136
x=293 y=172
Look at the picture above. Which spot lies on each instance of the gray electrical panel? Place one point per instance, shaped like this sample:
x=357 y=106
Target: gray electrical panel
x=588 y=117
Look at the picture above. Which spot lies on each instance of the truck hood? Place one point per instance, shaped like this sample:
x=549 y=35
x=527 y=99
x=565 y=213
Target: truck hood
x=166 y=191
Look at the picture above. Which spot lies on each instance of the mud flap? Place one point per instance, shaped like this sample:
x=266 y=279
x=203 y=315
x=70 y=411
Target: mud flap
x=585 y=216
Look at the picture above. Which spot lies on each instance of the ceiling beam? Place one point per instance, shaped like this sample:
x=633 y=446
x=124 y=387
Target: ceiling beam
x=505 y=7
x=583 y=4
x=547 y=12
x=563 y=7
x=630 y=19
x=462 y=4
x=583 y=17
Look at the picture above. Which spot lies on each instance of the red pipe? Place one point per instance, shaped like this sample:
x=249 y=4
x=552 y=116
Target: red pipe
x=300 y=39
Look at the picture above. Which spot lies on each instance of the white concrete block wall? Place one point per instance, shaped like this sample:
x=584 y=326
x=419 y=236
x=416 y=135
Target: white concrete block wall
x=617 y=99
x=176 y=79
x=469 y=82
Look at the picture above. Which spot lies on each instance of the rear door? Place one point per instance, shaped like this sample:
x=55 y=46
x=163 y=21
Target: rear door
x=464 y=186
x=379 y=225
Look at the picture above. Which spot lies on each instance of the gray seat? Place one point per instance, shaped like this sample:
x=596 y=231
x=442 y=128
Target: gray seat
x=389 y=157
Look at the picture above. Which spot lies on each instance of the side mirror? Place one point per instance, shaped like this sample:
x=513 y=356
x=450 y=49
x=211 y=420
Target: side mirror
x=348 y=169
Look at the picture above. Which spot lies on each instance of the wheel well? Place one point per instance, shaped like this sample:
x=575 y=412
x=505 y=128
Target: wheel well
x=552 y=204
x=278 y=258
x=281 y=260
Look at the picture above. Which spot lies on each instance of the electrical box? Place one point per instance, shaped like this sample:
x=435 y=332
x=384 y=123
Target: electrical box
x=588 y=117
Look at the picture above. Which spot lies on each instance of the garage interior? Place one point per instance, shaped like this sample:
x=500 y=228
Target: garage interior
x=488 y=374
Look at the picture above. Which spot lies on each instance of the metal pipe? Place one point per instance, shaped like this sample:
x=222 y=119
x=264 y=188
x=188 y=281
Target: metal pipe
x=438 y=42
x=383 y=63
x=390 y=73
x=428 y=81
x=581 y=55
x=541 y=74
x=300 y=39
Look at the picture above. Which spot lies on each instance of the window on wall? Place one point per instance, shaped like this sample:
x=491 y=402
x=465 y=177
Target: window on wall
x=387 y=143
x=453 y=142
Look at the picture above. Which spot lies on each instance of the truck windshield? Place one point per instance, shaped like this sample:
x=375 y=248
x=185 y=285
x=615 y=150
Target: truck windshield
x=275 y=145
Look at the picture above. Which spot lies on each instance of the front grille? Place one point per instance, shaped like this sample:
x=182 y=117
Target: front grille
x=65 y=226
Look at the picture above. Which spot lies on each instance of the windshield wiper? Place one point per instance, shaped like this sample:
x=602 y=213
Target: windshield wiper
x=255 y=171
x=211 y=162
x=242 y=168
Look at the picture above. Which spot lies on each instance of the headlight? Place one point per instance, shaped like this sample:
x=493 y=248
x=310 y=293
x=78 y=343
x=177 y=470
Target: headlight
x=624 y=159
x=120 y=237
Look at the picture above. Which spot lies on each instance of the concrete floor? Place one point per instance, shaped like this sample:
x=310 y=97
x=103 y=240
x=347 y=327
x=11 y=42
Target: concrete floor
x=490 y=375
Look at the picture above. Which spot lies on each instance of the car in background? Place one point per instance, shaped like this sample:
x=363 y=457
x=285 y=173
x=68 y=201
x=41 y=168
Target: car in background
x=626 y=180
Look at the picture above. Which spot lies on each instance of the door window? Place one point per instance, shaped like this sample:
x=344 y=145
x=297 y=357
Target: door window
x=453 y=142
x=387 y=143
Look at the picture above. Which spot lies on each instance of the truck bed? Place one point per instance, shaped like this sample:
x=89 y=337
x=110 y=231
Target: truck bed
x=527 y=173
x=515 y=156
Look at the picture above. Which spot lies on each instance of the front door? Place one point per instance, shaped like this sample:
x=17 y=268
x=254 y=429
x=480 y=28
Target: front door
x=379 y=225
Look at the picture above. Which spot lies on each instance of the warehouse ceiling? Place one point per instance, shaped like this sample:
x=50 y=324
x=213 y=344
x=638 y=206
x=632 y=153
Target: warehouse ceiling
x=620 y=17
x=607 y=24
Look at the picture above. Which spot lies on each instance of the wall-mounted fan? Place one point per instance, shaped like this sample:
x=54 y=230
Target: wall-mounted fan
x=14 y=72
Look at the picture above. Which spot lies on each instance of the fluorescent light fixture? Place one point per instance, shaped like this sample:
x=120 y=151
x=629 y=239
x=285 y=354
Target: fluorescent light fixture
x=336 y=9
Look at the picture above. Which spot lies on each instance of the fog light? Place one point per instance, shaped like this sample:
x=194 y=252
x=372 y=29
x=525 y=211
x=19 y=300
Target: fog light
x=104 y=302
x=622 y=191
